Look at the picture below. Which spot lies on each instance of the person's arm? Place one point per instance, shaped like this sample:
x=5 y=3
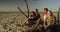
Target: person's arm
x=53 y=20
x=38 y=22
x=31 y=17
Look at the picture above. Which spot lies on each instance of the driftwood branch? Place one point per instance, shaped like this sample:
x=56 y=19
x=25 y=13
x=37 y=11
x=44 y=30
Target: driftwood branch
x=58 y=15
x=27 y=7
x=22 y=12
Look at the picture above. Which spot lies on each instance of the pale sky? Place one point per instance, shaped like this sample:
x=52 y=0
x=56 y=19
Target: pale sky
x=11 y=5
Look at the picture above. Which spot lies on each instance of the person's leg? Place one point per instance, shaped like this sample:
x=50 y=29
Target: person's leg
x=52 y=28
x=42 y=29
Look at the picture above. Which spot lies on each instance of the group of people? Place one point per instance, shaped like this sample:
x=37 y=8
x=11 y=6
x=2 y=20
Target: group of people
x=48 y=20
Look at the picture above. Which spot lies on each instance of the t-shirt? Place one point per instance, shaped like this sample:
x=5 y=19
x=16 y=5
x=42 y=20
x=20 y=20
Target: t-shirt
x=37 y=16
x=34 y=19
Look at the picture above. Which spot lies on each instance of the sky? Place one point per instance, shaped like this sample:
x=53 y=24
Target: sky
x=11 y=5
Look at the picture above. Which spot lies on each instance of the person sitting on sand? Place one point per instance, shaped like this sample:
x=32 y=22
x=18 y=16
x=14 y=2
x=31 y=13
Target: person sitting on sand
x=44 y=14
x=50 y=21
x=33 y=18
x=37 y=15
x=30 y=20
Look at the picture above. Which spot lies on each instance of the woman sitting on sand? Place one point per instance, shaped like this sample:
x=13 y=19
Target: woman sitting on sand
x=30 y=20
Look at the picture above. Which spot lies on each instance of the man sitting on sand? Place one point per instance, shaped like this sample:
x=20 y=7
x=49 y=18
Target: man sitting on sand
x=37 y=15
x=50 y=21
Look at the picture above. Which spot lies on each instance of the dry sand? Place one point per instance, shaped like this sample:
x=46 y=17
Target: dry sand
x=12 y=21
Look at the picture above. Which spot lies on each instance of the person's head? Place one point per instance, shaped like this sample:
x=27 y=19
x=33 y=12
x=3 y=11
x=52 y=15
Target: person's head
x=50 y=13
x=45 y=10
x=33 y=13
x=36 y=10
